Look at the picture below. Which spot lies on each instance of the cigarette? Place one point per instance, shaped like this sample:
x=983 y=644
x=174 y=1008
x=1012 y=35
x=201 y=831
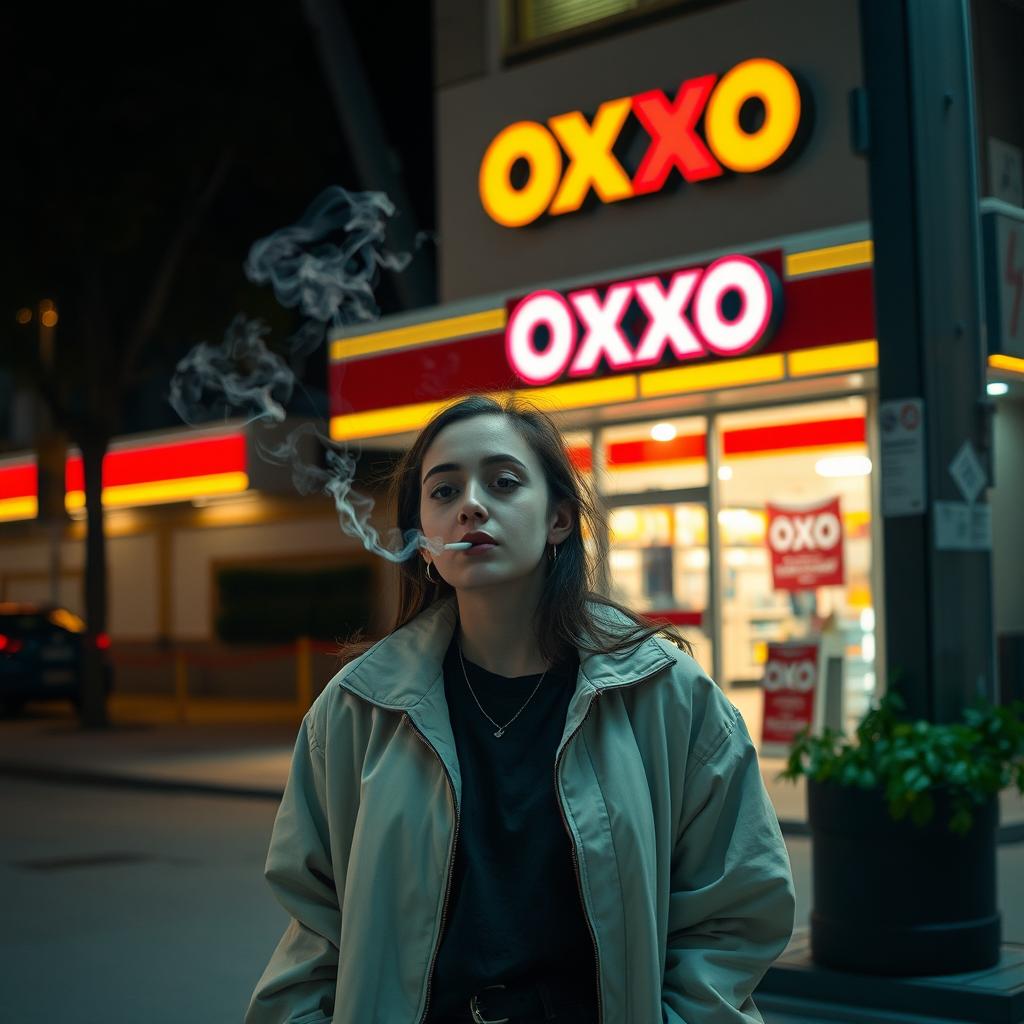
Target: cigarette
x=459 y=545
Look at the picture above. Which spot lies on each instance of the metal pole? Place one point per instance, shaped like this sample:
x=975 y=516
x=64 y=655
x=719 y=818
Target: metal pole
x=924 y=217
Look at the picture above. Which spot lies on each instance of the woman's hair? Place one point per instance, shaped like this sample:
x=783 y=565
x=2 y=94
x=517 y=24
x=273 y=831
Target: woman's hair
x=574 y=579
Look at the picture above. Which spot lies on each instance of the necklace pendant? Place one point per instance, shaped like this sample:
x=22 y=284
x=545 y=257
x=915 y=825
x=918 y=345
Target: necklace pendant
x=500 y=732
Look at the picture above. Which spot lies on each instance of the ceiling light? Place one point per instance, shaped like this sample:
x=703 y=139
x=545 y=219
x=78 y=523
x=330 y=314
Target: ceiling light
x=998 y=387
x=663 y=432
x=725 y=472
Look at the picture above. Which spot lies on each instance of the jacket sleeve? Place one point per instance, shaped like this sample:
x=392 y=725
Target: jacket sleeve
x=732 y=900
x=297 y=986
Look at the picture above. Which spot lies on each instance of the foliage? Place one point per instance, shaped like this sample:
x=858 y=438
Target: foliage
x=913 y=761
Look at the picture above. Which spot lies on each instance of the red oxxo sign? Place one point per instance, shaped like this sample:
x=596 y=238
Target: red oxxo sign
x=790 y=683
x=806 y=545
x=725 y=309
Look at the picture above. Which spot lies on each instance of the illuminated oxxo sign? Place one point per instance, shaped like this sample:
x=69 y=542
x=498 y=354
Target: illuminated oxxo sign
x=675 y=142
x=820 y=532
x=687 y=316
x=790 y=675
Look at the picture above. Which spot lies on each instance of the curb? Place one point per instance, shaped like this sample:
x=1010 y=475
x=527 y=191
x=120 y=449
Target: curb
x=86 y=777
x=1007 y=834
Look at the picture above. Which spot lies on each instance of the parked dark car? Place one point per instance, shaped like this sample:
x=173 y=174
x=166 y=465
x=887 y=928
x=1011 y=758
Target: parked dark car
x=42 y=651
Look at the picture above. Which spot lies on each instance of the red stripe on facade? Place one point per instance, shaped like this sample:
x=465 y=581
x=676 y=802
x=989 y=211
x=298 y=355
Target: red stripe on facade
x=164 y=462
x=18 y=481
x=689 y=446
x=827 y=309
x=812 y=434
x=745 y=441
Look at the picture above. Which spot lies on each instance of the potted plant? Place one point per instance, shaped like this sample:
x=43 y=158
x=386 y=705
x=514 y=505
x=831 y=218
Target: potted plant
x=903 y=822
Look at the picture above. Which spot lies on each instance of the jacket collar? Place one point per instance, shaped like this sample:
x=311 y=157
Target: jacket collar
x=399 y=670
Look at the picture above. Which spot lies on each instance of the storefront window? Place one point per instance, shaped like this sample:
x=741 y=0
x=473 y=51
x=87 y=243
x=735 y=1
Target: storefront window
x=659 y=455
x=659 y=566
x=798 y=459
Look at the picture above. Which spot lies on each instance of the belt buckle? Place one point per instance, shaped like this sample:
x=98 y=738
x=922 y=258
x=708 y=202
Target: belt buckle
x=474 y=1009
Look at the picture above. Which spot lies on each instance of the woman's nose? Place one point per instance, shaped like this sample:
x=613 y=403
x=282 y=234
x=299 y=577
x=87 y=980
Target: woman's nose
x=472 y=507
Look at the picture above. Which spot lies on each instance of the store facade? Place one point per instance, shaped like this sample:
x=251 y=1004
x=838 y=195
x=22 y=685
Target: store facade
x=661 y=236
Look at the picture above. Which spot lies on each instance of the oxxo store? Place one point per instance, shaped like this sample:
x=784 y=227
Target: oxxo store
x=662 y=238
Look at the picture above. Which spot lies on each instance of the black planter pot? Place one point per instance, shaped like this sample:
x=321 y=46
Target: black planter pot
x=893 y=898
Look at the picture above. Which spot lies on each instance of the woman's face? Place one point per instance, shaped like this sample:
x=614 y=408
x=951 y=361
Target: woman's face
x=480 y=476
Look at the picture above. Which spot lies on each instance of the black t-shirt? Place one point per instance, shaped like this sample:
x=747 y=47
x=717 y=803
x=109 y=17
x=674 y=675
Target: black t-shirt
x=514 y=911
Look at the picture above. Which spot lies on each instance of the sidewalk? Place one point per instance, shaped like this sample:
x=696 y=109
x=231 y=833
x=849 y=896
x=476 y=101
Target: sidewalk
x=215 y=753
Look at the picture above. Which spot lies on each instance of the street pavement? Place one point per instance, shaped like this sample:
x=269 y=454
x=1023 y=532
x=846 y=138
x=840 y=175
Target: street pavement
x=241 y=772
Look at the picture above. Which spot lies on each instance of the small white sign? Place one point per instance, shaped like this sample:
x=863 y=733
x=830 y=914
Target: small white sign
x=1005 y=171
x=962 y=526
x=968 y=472
x=901 y=435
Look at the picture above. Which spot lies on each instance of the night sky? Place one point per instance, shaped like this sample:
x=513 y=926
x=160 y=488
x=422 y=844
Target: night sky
x=120 y=114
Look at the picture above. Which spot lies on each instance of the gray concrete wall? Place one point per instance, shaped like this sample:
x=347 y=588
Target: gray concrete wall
x=824 y=185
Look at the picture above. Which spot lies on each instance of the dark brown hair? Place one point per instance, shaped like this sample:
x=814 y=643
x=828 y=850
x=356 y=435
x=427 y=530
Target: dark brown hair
x=574 y=579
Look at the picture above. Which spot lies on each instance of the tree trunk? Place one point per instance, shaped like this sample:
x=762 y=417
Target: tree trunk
x=93 y=712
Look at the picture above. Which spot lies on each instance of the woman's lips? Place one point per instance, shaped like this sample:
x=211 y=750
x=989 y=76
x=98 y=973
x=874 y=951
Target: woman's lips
x=479 y=549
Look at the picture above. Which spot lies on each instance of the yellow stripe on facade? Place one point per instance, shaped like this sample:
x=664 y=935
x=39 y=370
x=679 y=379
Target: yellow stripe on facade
x=1010 y=363
x=853 y=355
x=402 y=418
x=467 y=326
x=159 y=491
x=833 y=257
x=578 y=395
x=752 y=370
x=18 y=508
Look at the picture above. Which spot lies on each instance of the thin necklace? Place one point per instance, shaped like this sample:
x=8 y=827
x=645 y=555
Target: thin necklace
x=501 y=728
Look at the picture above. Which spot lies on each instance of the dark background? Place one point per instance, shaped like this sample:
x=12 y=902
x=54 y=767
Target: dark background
x=118 y=116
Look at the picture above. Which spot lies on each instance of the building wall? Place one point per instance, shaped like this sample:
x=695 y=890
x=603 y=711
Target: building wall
x=823 y=185
x=196 y=554
x=143 y=606
x=1007 y=499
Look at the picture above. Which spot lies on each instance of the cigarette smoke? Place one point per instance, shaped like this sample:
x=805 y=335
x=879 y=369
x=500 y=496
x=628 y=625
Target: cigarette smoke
x=325 y=267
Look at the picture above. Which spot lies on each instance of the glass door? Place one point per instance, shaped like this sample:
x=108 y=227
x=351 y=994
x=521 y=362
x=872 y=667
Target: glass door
x=658 y=562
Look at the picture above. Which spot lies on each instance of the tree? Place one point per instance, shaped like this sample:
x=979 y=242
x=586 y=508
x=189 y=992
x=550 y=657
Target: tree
x=129 y=150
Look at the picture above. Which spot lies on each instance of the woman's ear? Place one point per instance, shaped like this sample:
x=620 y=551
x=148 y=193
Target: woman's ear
x=562 y=522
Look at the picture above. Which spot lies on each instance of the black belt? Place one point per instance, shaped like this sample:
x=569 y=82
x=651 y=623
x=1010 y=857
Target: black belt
x=530 y=1001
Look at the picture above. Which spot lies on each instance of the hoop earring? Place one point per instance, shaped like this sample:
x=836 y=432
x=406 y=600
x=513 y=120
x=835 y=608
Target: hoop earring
x=429 y=577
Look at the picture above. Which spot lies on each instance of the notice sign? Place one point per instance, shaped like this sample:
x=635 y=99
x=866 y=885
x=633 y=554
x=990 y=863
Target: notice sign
x=901 y=436
x=806 y=545
x=790 y=683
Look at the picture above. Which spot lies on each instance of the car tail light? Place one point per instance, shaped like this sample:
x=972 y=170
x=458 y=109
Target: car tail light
x=10 y=644
x=103 y=641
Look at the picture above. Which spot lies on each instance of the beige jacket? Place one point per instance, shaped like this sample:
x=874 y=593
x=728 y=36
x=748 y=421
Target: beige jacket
x=682 y=869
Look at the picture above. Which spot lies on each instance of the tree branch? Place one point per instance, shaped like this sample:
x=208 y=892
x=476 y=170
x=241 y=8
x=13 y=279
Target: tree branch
x=153 y=307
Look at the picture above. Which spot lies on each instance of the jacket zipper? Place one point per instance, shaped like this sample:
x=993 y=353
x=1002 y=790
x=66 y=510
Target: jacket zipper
x=565 y=825
x=575 y=863
x=572 y=841
x=451 y=866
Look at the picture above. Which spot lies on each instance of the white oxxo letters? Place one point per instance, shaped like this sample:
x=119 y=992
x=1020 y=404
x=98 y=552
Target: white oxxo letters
x=795 y=532
x=796 y=675
x=686 y=316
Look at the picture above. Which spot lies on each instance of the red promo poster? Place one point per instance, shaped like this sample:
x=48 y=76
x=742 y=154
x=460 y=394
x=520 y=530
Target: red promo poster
x=806 y=545
x=790 y=683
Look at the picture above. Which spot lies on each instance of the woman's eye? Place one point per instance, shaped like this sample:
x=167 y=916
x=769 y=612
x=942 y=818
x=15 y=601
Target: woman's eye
x=435 y=493
x=507 y=480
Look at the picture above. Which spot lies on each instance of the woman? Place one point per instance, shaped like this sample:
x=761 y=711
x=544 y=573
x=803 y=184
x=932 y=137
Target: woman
x=522 y=804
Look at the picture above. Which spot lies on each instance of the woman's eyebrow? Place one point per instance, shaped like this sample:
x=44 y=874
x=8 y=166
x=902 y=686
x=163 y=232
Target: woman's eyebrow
x=447 y=467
